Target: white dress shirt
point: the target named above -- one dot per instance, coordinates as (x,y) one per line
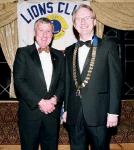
(82,55)
(47,67)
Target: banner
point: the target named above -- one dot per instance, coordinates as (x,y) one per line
(60,12)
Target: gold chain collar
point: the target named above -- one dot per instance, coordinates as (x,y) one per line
(89,71)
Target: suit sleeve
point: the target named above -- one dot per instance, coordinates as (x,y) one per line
(23,91)
(115,77)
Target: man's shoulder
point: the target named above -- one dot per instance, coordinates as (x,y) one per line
(57,52)
(70,46)
(108,40)
(70,49)
(104,39)
(26,49)
(108,44)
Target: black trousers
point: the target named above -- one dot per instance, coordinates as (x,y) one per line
(34,132)
(81,135)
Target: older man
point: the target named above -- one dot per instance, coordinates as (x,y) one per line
(38,79)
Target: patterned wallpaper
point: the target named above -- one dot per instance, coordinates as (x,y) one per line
(9,129)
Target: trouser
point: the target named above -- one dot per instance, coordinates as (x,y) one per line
(81,135)
(35,132)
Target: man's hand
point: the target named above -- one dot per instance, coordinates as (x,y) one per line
(112,120)
(53,100)
(47,106)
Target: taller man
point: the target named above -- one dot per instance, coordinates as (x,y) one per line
(93,75)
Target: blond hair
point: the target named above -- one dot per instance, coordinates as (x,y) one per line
(83,6)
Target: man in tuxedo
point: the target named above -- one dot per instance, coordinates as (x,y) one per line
(38,80)
(93,84)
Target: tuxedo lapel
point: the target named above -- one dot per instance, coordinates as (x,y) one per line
(55,69)
(37,62)
(78,69)
(88,59)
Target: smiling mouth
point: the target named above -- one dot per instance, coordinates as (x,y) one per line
(44,40)
(83,28)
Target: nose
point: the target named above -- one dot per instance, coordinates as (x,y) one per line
(44,34)
(83,20)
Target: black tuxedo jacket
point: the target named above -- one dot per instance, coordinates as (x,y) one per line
(29,81)
(102,93)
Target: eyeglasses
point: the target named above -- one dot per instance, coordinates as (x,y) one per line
(87,18)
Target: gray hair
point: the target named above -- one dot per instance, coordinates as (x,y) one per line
(43,20)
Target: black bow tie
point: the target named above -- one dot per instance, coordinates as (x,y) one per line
(87,43)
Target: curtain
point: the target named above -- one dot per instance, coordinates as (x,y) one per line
(9,36)
(117,15)
(99,29)
(9,43)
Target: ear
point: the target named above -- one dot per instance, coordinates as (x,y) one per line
(74,25)
(94,22)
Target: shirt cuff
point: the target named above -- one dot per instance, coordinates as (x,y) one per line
(112,114)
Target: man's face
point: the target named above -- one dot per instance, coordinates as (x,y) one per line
(84,22)
(43,34)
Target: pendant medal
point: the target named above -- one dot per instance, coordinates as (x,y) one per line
(78,93)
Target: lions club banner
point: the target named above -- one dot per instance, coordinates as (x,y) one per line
(60,12)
